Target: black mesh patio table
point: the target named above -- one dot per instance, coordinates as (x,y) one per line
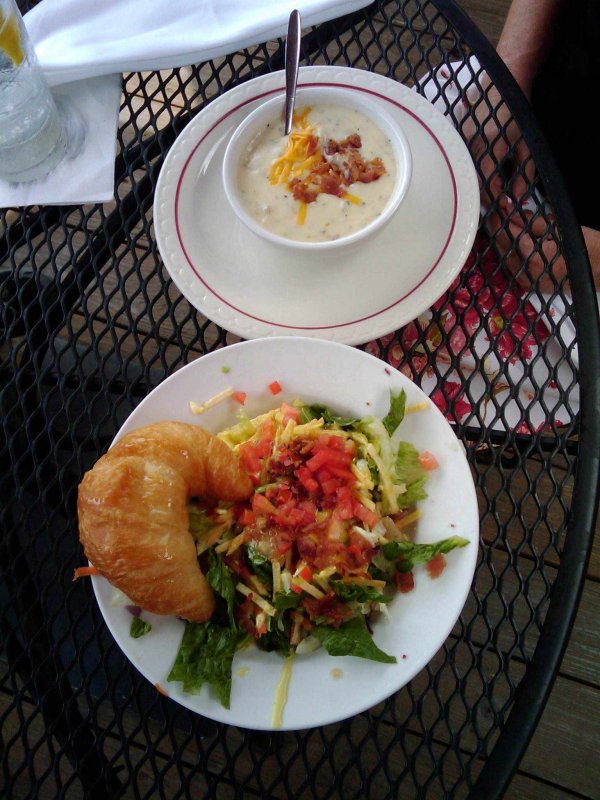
(91,323)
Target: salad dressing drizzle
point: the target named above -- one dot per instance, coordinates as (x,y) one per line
(281,692)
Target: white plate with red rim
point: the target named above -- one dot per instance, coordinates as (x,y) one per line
(322,689)
(254,288)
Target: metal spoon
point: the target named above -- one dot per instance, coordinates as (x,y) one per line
(292,59)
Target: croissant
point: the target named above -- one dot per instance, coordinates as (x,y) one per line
(133,518)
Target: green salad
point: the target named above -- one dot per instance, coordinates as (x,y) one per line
(321,547)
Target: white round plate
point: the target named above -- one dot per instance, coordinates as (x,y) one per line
(355,384)
(254,288)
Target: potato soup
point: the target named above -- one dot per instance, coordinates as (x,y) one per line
(331,177)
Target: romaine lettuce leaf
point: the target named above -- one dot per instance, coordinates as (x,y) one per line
(222,581)
(396,413)
(308,413)
(139,627)
(285,600)
(411,473)
(357,592)
(408,555)
(352,638)
(200,522)
(205,655)
(276,639)
(260,565)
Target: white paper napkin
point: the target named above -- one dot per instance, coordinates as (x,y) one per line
(85,45)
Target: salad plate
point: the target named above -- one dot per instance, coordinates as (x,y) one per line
(255,288)
(322,688)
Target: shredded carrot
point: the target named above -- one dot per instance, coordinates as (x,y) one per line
(82,572)
(160,689)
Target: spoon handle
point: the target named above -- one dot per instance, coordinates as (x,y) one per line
(292,59)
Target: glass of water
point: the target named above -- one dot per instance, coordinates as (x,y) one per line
(32,133)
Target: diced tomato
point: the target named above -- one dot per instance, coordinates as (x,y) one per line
(306,573)
(305,477)
(240,397)
(275,387)
(354,550)
(323,475)
(344,495)
(282,494)
(309,511)
(436,566)
(344,502)
(296,589)
(404,581)
(260,505)
(342,473)
(292,517)
(249,458)
(263,447)
(267,429)
(365,514)
(318,460)
(428,461)
(289,412)
(247,517)
(330,486)
(329,457)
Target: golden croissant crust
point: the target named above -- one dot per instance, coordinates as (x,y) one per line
(133,518)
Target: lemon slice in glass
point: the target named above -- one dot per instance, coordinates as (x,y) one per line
(10,39)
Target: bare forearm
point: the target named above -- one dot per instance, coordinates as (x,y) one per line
(592,242)
(526,38)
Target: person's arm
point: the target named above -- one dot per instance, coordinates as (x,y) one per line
(526,38)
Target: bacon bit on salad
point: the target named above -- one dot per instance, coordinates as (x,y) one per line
(240,397)
(310,167)
(436,566)
(83,572)
(405,581)
(275,387)
(160,689)
(330,607)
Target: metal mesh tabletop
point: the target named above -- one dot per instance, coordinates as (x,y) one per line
(91,322)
